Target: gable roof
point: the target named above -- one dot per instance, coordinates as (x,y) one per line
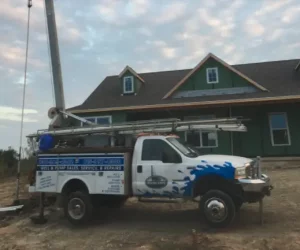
(298,66)
(279,77)
(198,66)
(127,68)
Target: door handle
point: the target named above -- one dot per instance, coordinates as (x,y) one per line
(139,168)
(190,167)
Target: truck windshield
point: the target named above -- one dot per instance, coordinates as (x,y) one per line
(186,150)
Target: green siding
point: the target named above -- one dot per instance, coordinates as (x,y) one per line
(257,141)
(136,83)
(227,78)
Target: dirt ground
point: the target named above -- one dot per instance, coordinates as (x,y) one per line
(166,226)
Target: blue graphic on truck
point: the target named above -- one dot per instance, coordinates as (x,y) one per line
(203,169)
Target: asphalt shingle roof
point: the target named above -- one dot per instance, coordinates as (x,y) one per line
(279,77)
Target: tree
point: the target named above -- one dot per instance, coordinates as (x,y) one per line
(9,157)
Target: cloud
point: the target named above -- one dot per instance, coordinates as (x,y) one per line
(219,23)
(207,18)
(168,52)
(20,80)
(294,46)
(10,11)
(254,28)
(15,55)
(170,12)
(209,3)
(191,60)
(67,29)
(144,31)
(269,6)
(228,49)
(276,34)
(156,43)
(291,14)
(234,58)
(108,13)
(137,8)
(119,13)
(14,114)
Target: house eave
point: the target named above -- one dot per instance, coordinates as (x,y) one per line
(193,104)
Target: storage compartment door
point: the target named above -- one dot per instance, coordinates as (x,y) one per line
(46,174)
(110,178)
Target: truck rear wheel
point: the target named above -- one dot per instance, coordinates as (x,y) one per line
(78,207)
(217,208)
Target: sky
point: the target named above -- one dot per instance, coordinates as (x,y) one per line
(99,38)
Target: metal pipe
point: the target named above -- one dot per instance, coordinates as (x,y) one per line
(29,5)
(231,134)
(258,167)
(165,127)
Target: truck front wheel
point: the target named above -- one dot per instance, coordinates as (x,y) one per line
(78,207)
(217,208)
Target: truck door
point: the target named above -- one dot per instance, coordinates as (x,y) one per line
(157,170)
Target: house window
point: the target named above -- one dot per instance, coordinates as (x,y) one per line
(280,135)
(212,75)
(128,84)
(202,138)
(100,120)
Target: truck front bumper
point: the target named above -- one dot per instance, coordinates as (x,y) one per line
(260,187)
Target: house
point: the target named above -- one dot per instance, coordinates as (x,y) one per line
(268,93)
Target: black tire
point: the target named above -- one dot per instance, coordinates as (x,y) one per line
(217,217)
(82,199)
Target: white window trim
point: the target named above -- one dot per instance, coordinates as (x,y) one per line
(203,117)
(200,135)
(217,73)
(132,85)
(287,128)
(95,117)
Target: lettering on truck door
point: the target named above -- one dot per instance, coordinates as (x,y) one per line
(157,168)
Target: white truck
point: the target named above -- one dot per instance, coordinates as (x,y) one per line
(157,166)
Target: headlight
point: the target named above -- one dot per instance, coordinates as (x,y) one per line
(240,172)
(247,165)
(249,169)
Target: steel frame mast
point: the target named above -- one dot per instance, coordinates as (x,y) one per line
(55,58)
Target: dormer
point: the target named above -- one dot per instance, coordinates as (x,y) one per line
(213,76)
(130,81)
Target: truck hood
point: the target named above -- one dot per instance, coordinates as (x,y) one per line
(236,161)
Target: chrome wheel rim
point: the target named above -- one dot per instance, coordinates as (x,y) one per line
(76,208)
(215,210)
